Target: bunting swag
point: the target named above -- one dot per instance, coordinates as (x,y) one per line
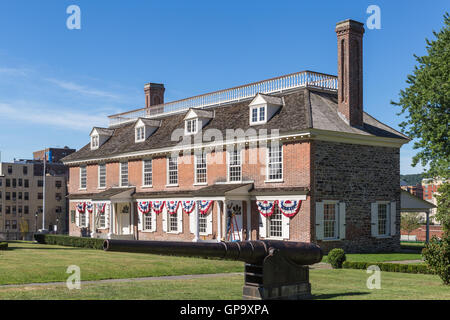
(289,207)
(172,206)
(158,206)
(188,206)
(90,207)
(144,206)
(101,208)
(81,207)
(266,207)
(204,206)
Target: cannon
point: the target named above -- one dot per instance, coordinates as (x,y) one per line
(273,269)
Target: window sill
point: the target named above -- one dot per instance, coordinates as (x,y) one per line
(147,231)
(171,185)
(147,187)
(82,189)
(274,181)
(201,184)
(101,188)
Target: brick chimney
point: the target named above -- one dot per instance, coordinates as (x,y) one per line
(154,94)
(350,71)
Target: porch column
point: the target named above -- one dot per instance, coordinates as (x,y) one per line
(197,211)
(113,218)
(249,220)
(224,220)
(219,231)
(428,226)
(132,220)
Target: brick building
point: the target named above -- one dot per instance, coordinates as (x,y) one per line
(291,158)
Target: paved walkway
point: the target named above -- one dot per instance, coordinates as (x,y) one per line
(405,261)
(181,277)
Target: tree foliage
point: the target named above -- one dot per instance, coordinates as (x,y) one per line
(425,104)
(443,207)
(410,221)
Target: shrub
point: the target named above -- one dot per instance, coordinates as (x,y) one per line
(437,256)
(69,241)
(336,258)
(3,245)
(389,267)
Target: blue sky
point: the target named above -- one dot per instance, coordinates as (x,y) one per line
(56,83)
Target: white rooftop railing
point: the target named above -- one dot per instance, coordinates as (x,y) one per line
(279,84)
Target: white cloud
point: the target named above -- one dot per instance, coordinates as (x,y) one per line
(71,86)
(56,117)
(20,72)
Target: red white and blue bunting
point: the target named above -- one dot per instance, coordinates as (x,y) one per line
(81,207)
(172,206)
(205,205)
(101,208)
(266,207)
(144,206)
(188,206)
(89,207)
(289,207)
(158,206)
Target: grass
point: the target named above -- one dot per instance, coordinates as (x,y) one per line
(379,257)
(326,284)
(26,262)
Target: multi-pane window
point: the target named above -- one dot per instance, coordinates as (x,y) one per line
(102,175)
(191,126)
(383,219)
(20,182)
(95,142)
(14,224)
(8,196)
(124,174)
(7,209)
(58,184)
(83,178)
(19,195)
(25,170)
(258,114)
(26,196)
(202,221)
(140,133)
(173,222)
(40,196)
(10,170)
(7,224)
(200,168)
(275,162)
(83,222)
(26,183)
(14,196)
(40,183)
(173,170)
(147,221)
(329,221)
(8,182)
(147,173)
(276,224)
(26,210)
(235,165)
(102,219)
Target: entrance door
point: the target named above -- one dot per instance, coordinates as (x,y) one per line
(123,218)
(233,221)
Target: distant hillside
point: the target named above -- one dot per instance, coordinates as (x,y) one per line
(411,179)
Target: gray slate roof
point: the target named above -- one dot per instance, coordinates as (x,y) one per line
(303,109)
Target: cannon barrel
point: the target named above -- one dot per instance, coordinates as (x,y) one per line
(252,252)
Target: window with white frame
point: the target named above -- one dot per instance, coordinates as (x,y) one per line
(275,224)
(235,165)
(102,219)
(258,115)
(83,177)
(200,168)
(147,173)
(330,224)
(275,162)
(102,176)
(173,222)
(191,126)
(124,174)
(147,221)
(383,219)
(173,170)
(140,134)
(202,223)
(83,220)
(95,141)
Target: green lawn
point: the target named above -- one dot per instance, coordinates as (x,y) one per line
(379,257)
(30,263)
(326,284)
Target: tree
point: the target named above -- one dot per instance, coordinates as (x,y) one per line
(410,221)
(443,207)
(426,104)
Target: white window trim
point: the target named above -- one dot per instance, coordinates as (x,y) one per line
(143,223)
(136,134)
(196,183)
(120,175)
(258,107)
(268,180)
(143,173)
(336,225)
(168,184)
(186,132)
(228,165)
(95,142)
(80,188)
(388,220)
(98,180)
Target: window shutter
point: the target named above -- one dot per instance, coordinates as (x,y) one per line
(192,221)
(153,215)
(342,220)
(140,221)
(209,222)
(164,219)
(285,221)
(319,220)
(77,218)
(180,219)
(262,226)
(374,219)
(393,216)
(107,215)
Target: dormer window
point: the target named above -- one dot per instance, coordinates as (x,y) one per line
(99,136)
(94,142)
(263,108)
(191,126)
(140,134)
